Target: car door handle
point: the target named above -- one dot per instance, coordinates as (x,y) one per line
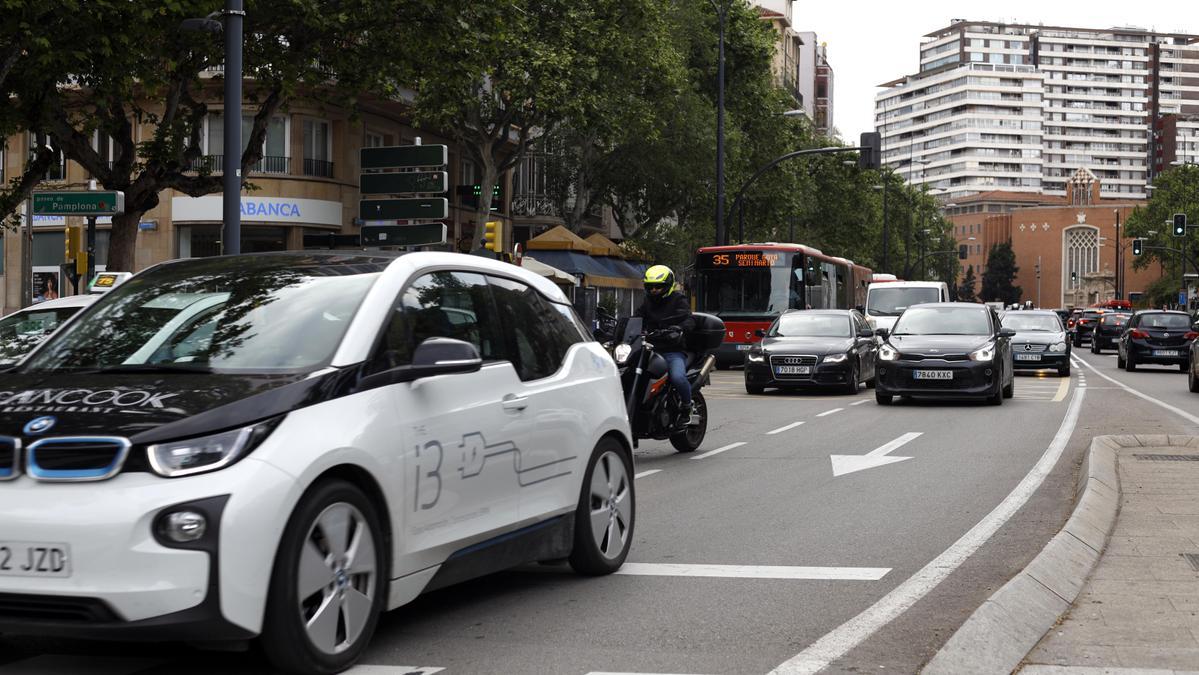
(513,402)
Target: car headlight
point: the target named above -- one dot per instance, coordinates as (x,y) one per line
(834,358)
(621,353)
(887,353)
(206,453)
(1058,347)
(756,357)
(984,353)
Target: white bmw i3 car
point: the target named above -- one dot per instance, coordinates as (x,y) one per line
(281,446)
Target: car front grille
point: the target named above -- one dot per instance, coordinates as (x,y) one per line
(77,458)
(10,449)
(792,360)
(1028,348)
(934,357)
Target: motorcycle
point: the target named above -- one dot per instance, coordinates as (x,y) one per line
(654,406)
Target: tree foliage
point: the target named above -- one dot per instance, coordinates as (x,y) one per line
(966,287)
(998,282)
(1176,191)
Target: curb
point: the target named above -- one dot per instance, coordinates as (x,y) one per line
(1001,632)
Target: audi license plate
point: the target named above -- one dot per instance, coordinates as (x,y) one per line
(1028,357)
(1166,352)
(793,370)
(932,374)
(34,559)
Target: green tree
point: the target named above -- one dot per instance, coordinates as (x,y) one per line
(1176,191)
(998,282)
(966,288)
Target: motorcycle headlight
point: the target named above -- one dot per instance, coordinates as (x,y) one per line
(621,353)
(887,353)
(206,453)
(984,353)
(834,358)
(1058,347)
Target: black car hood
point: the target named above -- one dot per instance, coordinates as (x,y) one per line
(805,345)
(151,408)
(936,345)
(1038,338)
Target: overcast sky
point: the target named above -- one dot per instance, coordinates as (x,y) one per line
(873,41)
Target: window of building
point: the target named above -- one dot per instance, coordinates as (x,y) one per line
(372,140)
(1080,256)
(108,149)
(58,165)
(318,149)
(275,148)
(201,241)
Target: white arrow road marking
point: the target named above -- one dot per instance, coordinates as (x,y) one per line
(754,571)
(861,402)
(843,464)
(782,429)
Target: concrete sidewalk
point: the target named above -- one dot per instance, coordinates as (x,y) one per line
(1139,609)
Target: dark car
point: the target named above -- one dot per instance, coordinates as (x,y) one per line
(1107,331)
(1193,369)
(1039,342)
(1156,336)
(1072,322)
(946,350)
(1084,325)
(832,347)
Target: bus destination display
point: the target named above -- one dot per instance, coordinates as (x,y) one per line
(740,259)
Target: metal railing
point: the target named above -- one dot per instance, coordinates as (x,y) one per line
(318,167)
(216,164)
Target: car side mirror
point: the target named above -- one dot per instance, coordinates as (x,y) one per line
(760,332)
(1007,333)
(865,333)
(860,309)
(434,356)
(883,333)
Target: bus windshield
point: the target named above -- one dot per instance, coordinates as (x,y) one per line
(892,301)
(747,292)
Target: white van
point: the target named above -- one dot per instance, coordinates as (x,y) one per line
(885,301)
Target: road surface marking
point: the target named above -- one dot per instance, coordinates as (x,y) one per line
(651,472)
(1063,388)
(782,429)
(865,400)
(852,633)
(609,672)
(754,571)
(843,464)
(717,451)
(830,412)
(1177,411)
(393,670)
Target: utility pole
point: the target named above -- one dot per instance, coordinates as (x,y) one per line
(722,13)
(231,199)
(1119,262)
(1039,282)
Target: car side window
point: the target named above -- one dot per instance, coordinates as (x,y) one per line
(448,304)
(537,335)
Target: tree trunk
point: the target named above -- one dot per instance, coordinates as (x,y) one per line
(122,243)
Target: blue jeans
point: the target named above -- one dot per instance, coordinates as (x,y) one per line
(676,362)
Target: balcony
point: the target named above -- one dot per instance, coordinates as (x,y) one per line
(318,167)
(216,164)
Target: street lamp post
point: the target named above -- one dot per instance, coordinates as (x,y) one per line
(886,231)
(722,13)
(1119,264)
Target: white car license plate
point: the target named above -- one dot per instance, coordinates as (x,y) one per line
(1165,352)
(34,559)
(1028,357)
(933,375)
(793,370)
(742,348)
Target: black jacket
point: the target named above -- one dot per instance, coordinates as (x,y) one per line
(671,310)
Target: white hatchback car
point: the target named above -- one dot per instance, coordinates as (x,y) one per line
(283,445)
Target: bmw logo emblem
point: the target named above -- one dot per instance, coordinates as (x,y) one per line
(39,425)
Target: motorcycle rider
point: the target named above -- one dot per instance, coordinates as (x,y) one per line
(665,309)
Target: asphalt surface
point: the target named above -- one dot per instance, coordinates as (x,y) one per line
(772,503)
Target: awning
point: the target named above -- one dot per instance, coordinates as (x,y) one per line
(601,272)
(552,273)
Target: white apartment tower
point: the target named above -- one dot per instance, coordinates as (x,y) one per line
(1021,108)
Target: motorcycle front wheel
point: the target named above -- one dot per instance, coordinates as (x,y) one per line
(692,437)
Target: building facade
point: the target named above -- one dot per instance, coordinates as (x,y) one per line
(1020,108)
(786,63)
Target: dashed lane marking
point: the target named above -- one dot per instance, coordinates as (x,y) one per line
(717,451)
(651,472)
(784,428)
(754,571)
(830,412)
(865,400)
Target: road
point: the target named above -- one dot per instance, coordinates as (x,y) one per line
(751,553)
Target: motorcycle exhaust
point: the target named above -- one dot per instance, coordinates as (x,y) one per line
(709,363)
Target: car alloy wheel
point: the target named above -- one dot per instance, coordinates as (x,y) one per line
(606,512)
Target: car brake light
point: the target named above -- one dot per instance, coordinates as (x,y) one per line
(1191,335)
(1070,323)
(1139,335)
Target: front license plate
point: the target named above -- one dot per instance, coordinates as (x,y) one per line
(1028,357)
(1166,352)
(793,370)
(933,374)
(742,348)
(34,559)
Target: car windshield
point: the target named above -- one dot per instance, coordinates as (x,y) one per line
(274,314)
(22,331)
(1172,321)
(934,320)
(1037,323)
(892,301)
(1114,318)
(812,325)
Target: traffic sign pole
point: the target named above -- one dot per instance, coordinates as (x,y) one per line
(91,250)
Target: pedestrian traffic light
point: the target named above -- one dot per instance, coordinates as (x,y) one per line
(870,153)
(493,235)
(1180,224)
(1137,246)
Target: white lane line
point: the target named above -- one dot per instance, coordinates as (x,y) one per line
(610,672)
(852,633)
(717,451)
(754,571)
(393,670)
(785,428)
(47,664)
(865,400)
(830,412)
(1177,411)
(643,474)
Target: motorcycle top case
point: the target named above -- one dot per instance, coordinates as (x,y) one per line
(708,333)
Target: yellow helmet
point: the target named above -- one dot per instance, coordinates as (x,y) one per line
(659,281)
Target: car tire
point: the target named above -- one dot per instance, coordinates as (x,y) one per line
(1064,371)
(607,498)
(754,389)
(1184,367)
(1192,381)
(1130,363)
(870,384)
(882,399)
(693,437)
(1119,358)
(1010,390)
(1095,346)
(851,387)
(996,398)
(308,552)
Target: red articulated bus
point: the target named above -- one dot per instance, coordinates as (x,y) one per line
(749,285)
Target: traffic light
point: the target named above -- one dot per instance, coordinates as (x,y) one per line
(870,156)
(493,235)
(1137,246)
(74,248)
(1074,278)
(1180,224)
